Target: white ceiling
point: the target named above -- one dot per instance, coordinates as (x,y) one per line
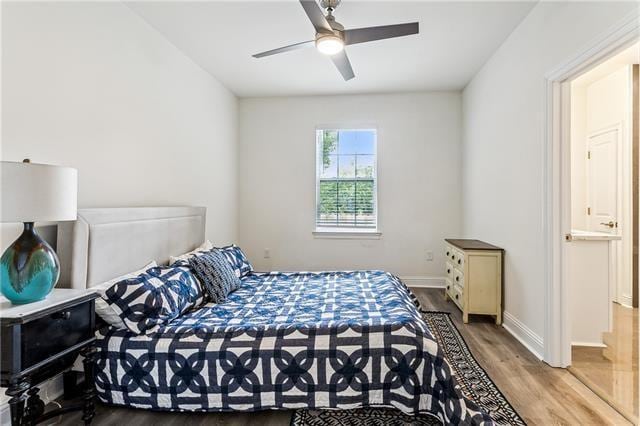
(455,40)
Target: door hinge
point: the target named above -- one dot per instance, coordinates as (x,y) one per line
(589,211)
(588,155)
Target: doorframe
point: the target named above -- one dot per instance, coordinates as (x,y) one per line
(557,179)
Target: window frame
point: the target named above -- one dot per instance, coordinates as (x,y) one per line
(345,232)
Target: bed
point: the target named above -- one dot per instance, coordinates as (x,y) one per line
(340,340)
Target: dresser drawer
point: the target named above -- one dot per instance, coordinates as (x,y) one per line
(449,287)
(458,278)
(47,336)
(457,297)
(449,270)
(449,252)
(459,259)
(455,257)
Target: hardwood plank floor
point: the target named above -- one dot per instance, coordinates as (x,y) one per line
(541,394)
(612,372)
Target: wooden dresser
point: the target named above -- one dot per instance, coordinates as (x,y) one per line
(474,277)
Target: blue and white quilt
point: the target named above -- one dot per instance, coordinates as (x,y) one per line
(289,340)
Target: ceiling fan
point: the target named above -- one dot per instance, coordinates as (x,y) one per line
(331,37)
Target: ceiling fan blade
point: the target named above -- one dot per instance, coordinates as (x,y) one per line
(316,16)
(285,49)
(341,62)
(363,35)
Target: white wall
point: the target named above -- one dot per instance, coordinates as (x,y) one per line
(418,181)
(93,86)
(609,101)
(503,109)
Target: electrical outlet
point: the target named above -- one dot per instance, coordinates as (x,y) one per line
(429,256)
(267,254)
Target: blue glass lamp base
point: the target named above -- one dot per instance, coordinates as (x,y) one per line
(29,268)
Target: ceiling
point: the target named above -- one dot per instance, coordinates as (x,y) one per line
(455,40)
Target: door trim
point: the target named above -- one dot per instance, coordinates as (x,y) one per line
(557,179)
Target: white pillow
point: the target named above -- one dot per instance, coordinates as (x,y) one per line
(206,246)
(103,308)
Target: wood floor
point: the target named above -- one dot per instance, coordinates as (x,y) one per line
(612,372)
(541,394)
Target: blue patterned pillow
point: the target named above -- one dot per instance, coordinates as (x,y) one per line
(236,257)
(155,297)
(216,274)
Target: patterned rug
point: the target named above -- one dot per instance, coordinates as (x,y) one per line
(474,381)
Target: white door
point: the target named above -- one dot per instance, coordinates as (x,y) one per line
(602,191)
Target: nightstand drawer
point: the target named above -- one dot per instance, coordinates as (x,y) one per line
(47,336)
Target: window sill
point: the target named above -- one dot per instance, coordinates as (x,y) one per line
(347,234)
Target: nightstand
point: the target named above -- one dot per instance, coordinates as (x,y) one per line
(41,340)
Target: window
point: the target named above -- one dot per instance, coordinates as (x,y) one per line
(346,180)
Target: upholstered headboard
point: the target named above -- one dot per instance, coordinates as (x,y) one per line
(105,243)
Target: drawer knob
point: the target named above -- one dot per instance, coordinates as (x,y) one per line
(459,261)
(448,287)
(63,315)
(447,253)
(457,295)
(453,256)
(448,271)
(457,278)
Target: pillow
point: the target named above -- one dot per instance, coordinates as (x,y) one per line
(236,257)
(103,308)
(216,274)
(206,246)
(155,297)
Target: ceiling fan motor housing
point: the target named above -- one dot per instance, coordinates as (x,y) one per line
(338,28)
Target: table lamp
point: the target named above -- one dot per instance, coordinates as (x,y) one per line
(29,268)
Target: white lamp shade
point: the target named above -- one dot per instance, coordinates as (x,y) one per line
(38,192)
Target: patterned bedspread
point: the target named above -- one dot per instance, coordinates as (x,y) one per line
(289,340)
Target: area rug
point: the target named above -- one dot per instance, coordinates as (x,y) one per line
(474,381)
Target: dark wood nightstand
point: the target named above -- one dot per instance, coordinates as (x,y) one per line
(41,340)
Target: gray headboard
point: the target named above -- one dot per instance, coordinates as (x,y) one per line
(105,243)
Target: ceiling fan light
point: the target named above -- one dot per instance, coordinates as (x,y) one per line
(329,44)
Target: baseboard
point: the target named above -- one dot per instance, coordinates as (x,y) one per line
(625,301)
(423,282)
(49,390)
(523,334)
(589,344)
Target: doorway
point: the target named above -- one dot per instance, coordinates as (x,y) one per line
(599,250)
